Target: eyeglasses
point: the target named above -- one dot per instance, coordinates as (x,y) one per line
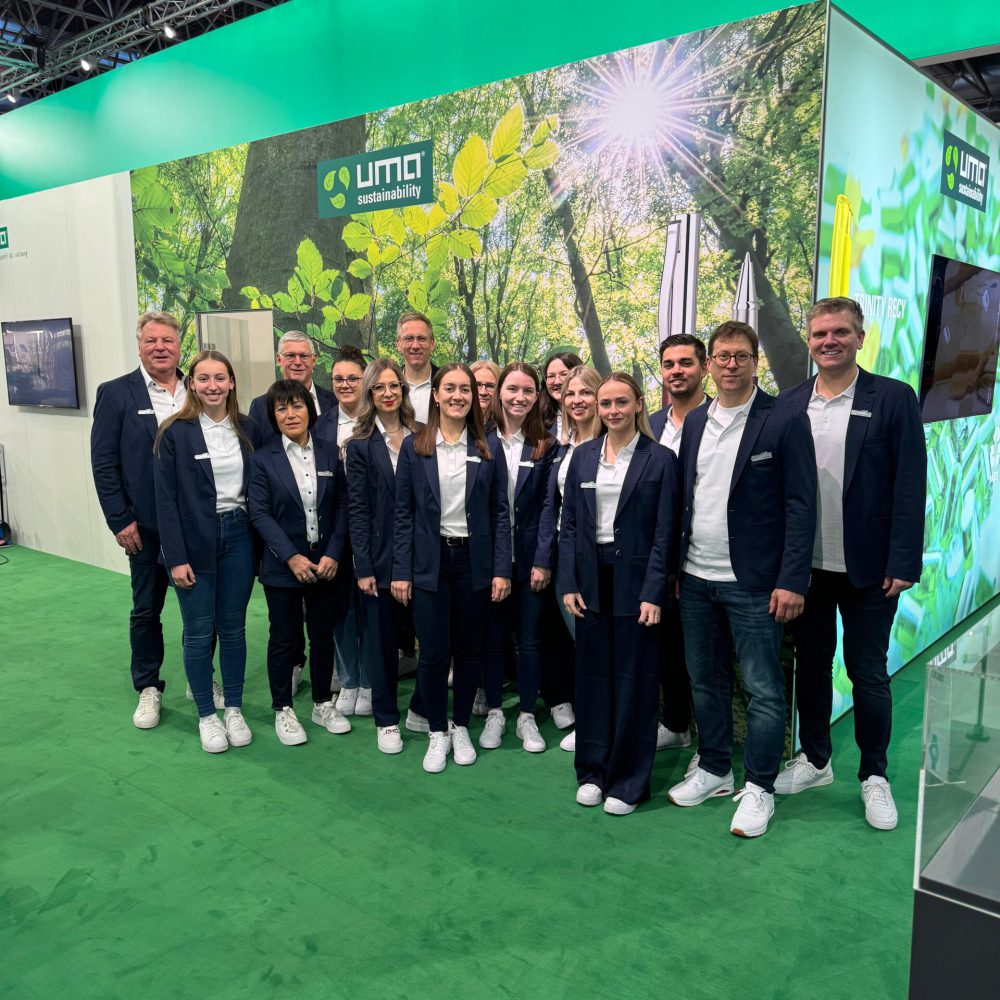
(289,356)
(383,389)
(410,341)
(742,359)
(346,379)
(556,377)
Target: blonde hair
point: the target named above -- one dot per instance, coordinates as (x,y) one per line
(641,419)
(167,319)
(592,380)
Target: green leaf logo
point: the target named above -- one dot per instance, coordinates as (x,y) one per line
(335,178)
(951,160)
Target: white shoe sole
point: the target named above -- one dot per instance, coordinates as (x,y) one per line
(145,723)
(415,726)
(292,739)
(618,808)
(435,766)
(749,834)
(827,779)
(219,749)
(466,761)
(726,789)
(390,750)
(535,748)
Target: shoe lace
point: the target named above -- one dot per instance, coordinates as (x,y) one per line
(529,728)
(754,797)
(147,697)
(439,742)
(878,795)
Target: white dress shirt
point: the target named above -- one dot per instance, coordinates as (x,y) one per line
(451,462)
(829,419)
(164,403)
(315,396)
(610,479)
(708,548)
(227,462)
(670,436)
(512,456)
(420,397)
(345,427)
(393,453)
(302,459)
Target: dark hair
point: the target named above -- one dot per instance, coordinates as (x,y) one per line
(685,340)
(286,391)
(351,353)
(839,303)
(533,428)
(734,328)
(425,440)
(549,407)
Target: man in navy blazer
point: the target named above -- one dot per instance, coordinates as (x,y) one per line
(127,412)
(747,525)
(872,464)
(297,360)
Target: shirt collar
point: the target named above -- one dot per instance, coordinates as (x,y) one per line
(516,438)
(848,393)
(290,444)
(463,440)
(343,418)
(381,428)
(207,423)
(418,385)
(151,382)
(736,411)
(627,452)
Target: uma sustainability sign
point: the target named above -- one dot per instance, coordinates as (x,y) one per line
(965,172)
(388,178)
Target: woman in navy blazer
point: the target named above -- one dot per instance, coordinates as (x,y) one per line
(385,420)
(452,535)
(618,521)
(298,506)
(202,461)
(522,443)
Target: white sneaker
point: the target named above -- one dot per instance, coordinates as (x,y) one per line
(527,732)
(756,807)
(437,752)
(147,712)
(692,765)
(363,706)
(326,715)
(568,742)
(880,810)
(213,734)
(492,735)
(667,739)
(699,786)
(218,698)
(479,706)
(589,795)
(416,723)
(347,701)
(237,731)
(563,715)
(389,739)
(289,729)
(335,683)
(296,679)
(616,807)
(798,775)
(462,749)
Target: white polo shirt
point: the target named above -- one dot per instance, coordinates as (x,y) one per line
(451,463)
(610,479)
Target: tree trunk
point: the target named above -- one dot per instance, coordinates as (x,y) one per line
(278,209)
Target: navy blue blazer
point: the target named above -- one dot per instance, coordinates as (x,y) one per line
(121,451)
(277,514)
(185,494)
(371,491)
(417,555)
(548,522)
(645,527)
(529,498)
(772,495)
(258,412)
(885,479)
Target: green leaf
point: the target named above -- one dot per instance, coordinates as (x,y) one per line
(505,178)
(438,318)
(416,218)
(437,252)
(295,289)
(395,229)
(374,256)
(332,317)
(266,302)
(326,279)
(479,211)
(448,197)
(471,165)
(338,200)
(360,269)
(540,157)
(549,125)
(507,134)
(250,292)
(467,239)
(357,237)
(310,262)
(312,330)
(441,292)
(284,302)
(345,177)
(328,181)
(416,295)
(436,217)
(342,297)
(358,306)
(460,247)
(390,254)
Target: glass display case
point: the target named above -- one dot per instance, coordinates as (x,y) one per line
(956,916)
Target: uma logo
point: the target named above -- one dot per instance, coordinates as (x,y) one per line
(965,172)
(4,238)
(386,178)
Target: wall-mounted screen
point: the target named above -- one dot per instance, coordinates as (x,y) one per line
(40,362)
(960,343)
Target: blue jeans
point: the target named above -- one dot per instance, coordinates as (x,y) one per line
(707,607)
(217,604)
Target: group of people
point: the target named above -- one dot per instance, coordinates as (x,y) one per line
(537,526)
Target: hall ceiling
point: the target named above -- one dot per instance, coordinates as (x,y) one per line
(42,42)
(972,76)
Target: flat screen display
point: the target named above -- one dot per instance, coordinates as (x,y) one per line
(40,362)
(960,343)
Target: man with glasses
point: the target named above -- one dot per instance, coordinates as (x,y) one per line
(868,548)
(415,342)
(749,484)
(296,358)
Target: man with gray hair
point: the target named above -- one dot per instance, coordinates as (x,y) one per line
(127,412)
(296,358)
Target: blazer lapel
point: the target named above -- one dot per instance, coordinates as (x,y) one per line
(523,471)
(857,426)
(140,398)
(589,475)
(326,461)
(471,471)
(756,419)
(199,446)
(284,469)
(380,452)
(430,465)
(639,458)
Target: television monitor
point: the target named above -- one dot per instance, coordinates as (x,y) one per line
(41,363)
(960,341)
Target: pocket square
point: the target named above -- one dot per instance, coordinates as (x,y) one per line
(204,454)
(761,456)
(588,486)
(861,413)
(323,472)
(145,413)
(473,458)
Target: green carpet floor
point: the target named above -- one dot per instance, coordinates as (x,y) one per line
(134,865)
